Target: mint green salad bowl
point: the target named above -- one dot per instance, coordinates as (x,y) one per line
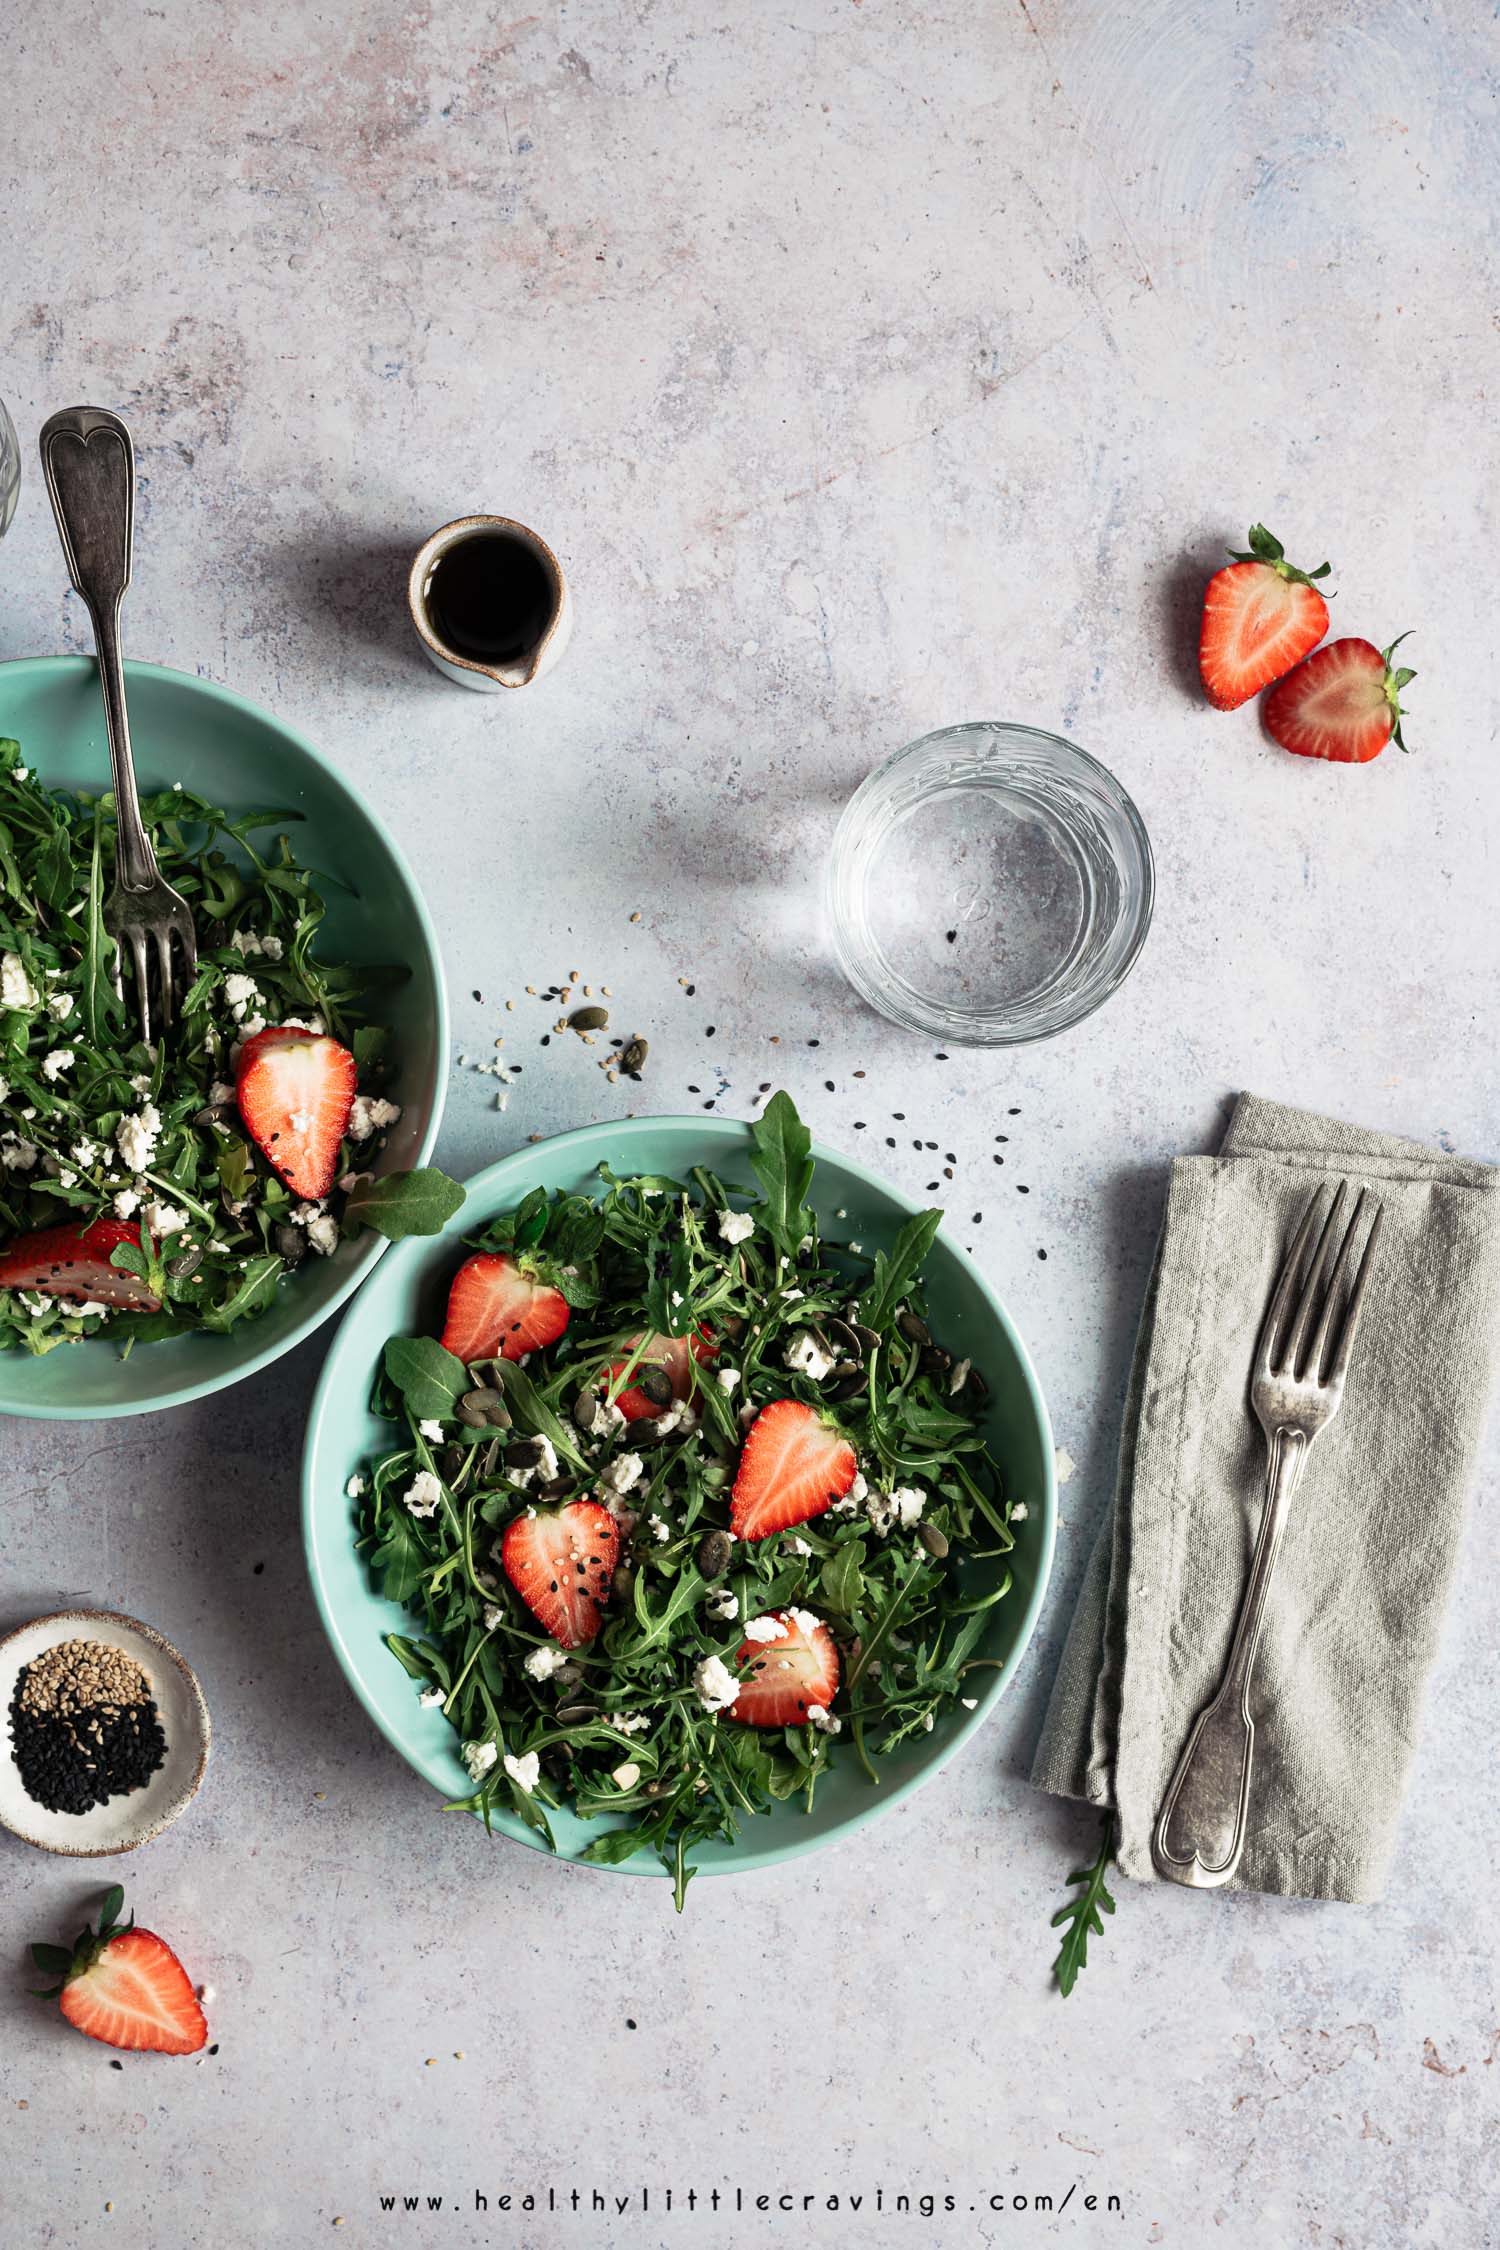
(188,730)
(407,1296)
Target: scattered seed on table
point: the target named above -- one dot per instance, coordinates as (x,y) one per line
(999,1159)
(1022,1190)
(947,1171)
(259,1567)
(695,1089)
(477,993)
(859,1124)
(765,1085)
(635,917)
(1041,1254)
(899,1115)
(890,1140)
(931,1188)
(815,1042)
(951,936)
(940,1056)
(978,1219)
(690,990)
(1012,1113)
(546,1038)
(829,1087)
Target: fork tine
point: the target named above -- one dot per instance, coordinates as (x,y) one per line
(137,939)
(1340,1367)
(164,969)
(1276,1311)
(1291,1358)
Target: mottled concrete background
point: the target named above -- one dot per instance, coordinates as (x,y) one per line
(871,366)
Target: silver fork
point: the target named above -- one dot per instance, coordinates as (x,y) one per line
(1296,1390)
(88,462)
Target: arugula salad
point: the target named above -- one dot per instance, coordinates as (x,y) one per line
(148,1192)
(687,1501)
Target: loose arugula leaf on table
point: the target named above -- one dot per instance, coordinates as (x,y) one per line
(1081,1914)
(618,1727)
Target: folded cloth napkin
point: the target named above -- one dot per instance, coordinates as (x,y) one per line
(1370,1549)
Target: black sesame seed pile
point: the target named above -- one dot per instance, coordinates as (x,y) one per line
(84,1726)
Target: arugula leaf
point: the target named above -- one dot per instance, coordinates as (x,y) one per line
(842,1577)
(257,1288)
(429,1378)
(1082,1912)
(781,1160)
(401,1203)
(897,1270)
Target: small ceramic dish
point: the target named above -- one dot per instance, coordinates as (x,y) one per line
(125,1821)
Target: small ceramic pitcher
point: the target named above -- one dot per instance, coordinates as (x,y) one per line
(536,642)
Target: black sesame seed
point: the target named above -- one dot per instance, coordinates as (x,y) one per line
(978,1219)
(1022,1190)
(952,936)
(1042,1255)
(259,1567)
(815,1042)
(477,993)
(708,1034)
(828,1086)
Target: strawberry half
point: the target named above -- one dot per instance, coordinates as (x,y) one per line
(794,1465)
(124,1986)
(674,1355)
(560,1561)
(1260,617)
(789,1675)
(496,1310)
(73,1261)
(295,1090)
(1344,703)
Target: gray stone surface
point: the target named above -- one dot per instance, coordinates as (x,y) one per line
(871,367)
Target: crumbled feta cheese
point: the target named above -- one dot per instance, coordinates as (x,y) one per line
(369,1114)
(804,1355)
(89,1309)
(53,1065)
(430,1427)
(969,1702)
(220,1093)
(65,1178)
(627,1775)
(736,1226)
(127,1202)
(135,1137)
(544,1467)
(16,987)
(1019,1511)
(728,1378)
(492,1615)
(903,1506)
(661,1532)
(241,992)
(164,1218)
(59,1006)
(723,1602)
(479,1757)
(84,1152)
(356,1487)
(825,1721)
(927,1722)
(765,1629)
(716,1684)
(524,1772)
(35,1304)
(423,1494)
(543,1662)
(4,1089)
(622,1474)
(323,1233)
(805,1622)
(797,1545)
(431,1697)
(629,1722)
(959,1377)
(793,1296)
(16,1154)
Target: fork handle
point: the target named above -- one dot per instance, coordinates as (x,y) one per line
(88,463)
(1200,1831)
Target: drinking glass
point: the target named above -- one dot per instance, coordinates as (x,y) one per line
(989,884)
(10,469)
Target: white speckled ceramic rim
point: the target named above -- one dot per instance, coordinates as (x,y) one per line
(123,1823)
(463,668)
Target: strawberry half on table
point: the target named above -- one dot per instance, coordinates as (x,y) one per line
(560,1561)
(1343,704)
(788,1676)
(1261,615)
(794,1465)
(499,1309)
(666,1363)
(123,1986)
(295,1090)
(73,1261)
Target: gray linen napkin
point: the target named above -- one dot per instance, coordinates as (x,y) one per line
(1370,1550)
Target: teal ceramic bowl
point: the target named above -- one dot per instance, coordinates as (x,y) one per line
(185,729)
(407,1296)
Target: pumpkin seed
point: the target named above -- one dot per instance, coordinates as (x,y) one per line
(555,1488)
(913,1327)
(845,1386)
(188,1261)
(526,1453)
(654,1383)
(577,1714)
(452,1460)
(485,1410)
(869,1337)
(846,1336)
(491,1458)
(633,1057)
(932,1539)
(587,1408)
(214,1113)
(291,1244)
(588,1019)
(492,1372)
(935,1361)
(715,1550)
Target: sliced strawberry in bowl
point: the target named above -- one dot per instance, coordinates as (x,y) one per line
(793,1671)
(793,1466)
(1261,615)
(1343,704)
(498,1310)
(672,1358)
(295,1090)
(125,1987)
(560,1561)
(73,1261)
